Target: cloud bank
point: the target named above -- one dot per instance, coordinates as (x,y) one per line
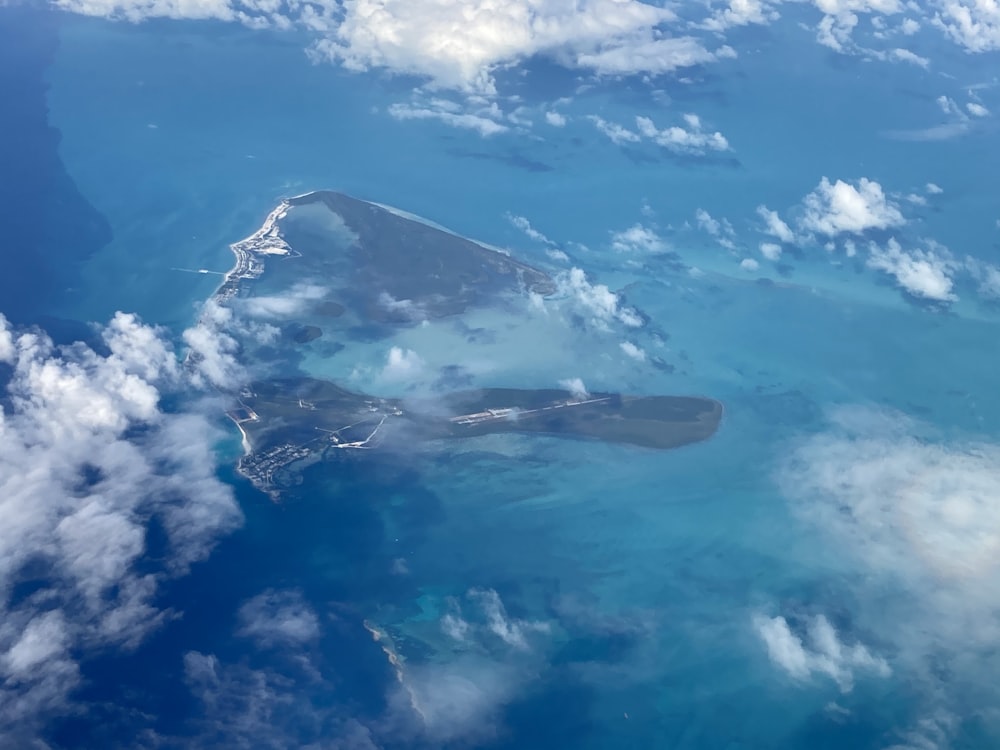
(88,459)
(912,513)
(459,45)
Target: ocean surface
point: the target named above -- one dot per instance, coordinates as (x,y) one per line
(611,597)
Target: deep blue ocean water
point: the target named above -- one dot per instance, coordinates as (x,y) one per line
(636,575)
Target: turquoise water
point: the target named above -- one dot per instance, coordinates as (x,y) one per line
(631,580)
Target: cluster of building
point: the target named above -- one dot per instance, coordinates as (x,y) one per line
(259,468)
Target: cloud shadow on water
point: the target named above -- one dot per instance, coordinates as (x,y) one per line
(513,159)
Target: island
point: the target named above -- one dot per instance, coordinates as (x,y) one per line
(290,423)
(372,270)
(388,263)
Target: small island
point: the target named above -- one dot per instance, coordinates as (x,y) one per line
(290,423)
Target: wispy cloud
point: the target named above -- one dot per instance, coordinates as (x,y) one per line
(817,651)
(690,138)
(911,510)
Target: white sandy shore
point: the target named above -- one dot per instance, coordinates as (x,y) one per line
(434,225)
(247,450)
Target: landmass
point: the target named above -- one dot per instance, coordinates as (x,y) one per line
(290,423)
(380,265)
(397,263)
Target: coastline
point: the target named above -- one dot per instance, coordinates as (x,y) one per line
(267,240)
(434,225)
(245,439)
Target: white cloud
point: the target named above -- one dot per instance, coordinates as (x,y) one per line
(692,140)
(949,106)
(638,238)
(8,351)
(213,350)
(483,120)
(740,13)
(840,7)
(406,309)
(316,16)
(633,351)
(244,707)
(912,508)
(929,733)
(278,618)
(575,386)
(775,226)
(459,44)
(907,508)
(292,302)
(771,251)
(986,276)
(835,31)
(402,364)
(87,460)
(905,55)
(460,699)
(456,45)
(821,652)
(842,207)
(933,189)
(615,132)
(974,24)
(555,119)
(922,273)
(841,18)
(522,223)
(977,110)
(707,223)
(137,11)
(453,695)
(720,229)
(511,631)
(599,302)
(649,53)
(749,264)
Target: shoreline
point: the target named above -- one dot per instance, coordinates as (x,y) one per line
(403,214)
(245,442)
(267,240)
